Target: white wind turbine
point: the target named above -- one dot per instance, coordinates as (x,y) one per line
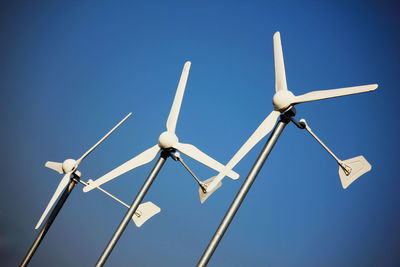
(169,145)
(69,168)
(167,141)
(282,101)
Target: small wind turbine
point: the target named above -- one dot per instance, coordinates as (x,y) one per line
(70,168)
(168,144)
(283,102)
(167,141)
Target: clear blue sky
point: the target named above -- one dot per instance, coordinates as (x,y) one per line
(70,71)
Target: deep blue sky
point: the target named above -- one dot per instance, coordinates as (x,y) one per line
(70,71)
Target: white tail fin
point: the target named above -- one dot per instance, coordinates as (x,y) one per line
(358,166)
(144,212)
(204,196)
(57,166)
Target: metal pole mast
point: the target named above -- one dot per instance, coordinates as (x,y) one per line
(135,204)
(74,180)
(285,118)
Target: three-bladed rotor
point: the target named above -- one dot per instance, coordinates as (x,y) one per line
(168,140)
(282,101)
(68,168)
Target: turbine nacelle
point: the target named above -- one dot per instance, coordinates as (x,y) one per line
(167,140)
(282,100)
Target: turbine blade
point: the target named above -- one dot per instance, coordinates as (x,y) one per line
(141,159)
(265,127)
(61,186)
(102,139)
(176,105)
(201,157)
(144,212)
(318,95)
(280,75)
(57,166)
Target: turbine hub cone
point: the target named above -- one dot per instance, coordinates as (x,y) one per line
(282,100)
(68,165)
(167,140)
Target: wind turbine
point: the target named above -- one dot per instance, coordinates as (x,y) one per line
(168,145)
(283,102)
(168,140)
(70,168)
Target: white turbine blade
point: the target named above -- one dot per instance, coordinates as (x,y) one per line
(203,196)
(57,166)
(280,75)
(359,166)
(144,212)
(61,186)
(201,157)
(176,105)
(141,159)
(318,95)
(102,139)
(265,127)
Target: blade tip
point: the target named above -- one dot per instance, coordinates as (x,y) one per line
(234,175)
(86,189)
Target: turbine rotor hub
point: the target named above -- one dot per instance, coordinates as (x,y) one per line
(68,165)
(167,140)
(282,100)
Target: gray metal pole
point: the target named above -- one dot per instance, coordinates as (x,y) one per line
(135,204)
(242,193)
(49,221)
